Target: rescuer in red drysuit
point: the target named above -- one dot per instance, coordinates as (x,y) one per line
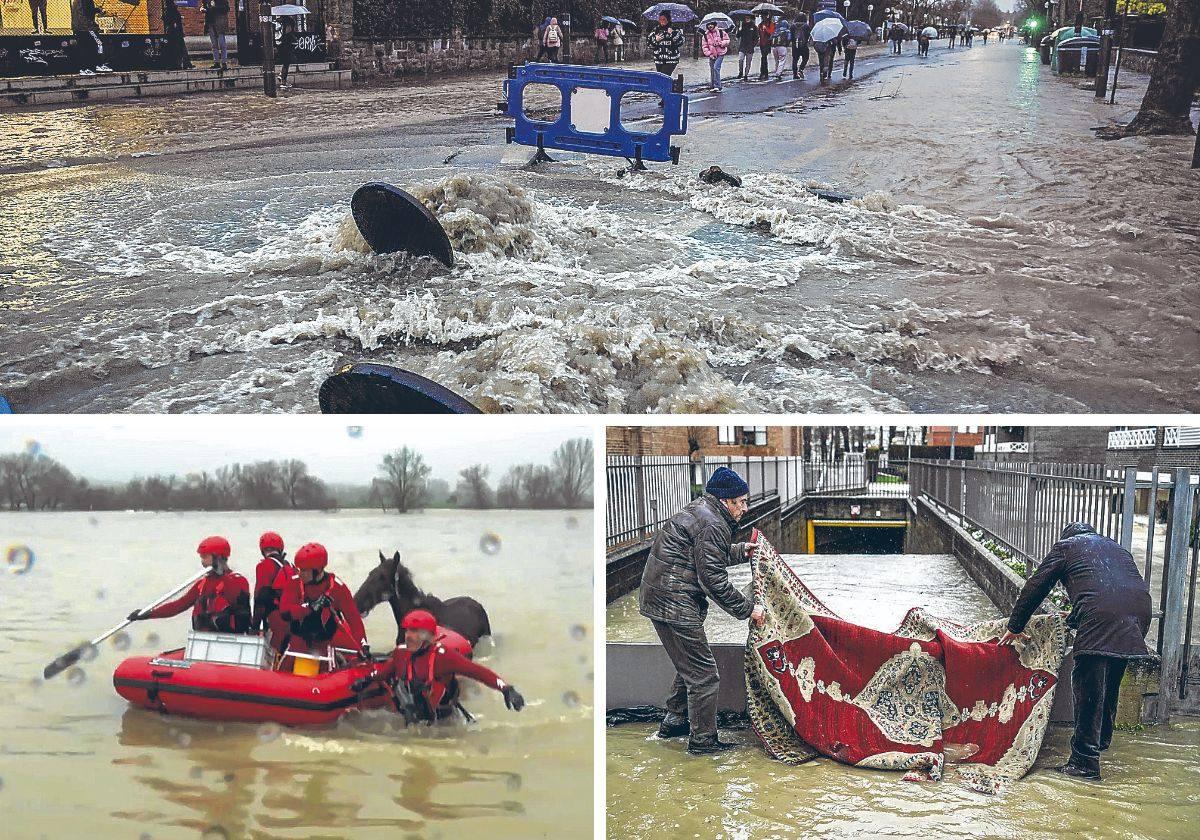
(220,600)
(428,670)
(313,608)
(273,576)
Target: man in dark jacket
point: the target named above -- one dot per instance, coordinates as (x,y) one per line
(1110,613)
(685,568)
(800,38)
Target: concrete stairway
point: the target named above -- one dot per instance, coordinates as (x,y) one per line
(32,91)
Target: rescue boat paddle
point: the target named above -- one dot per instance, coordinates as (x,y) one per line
(72,656)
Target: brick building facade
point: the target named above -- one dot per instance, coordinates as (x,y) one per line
(707,441)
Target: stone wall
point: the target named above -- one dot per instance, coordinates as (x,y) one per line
(1139,61)
(404,58)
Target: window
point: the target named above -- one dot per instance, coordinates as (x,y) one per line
(725,435)
(754,435)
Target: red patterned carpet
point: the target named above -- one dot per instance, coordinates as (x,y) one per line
(931,694)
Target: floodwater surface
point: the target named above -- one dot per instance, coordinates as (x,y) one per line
(655,789)
(76,760)
(198,254)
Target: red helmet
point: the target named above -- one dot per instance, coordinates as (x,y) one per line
(419,620)
(311,556)
(270,540)
(214,545)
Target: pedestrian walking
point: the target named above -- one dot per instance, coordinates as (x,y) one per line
(539,33)
(176,51)
(801,34)
(781,42)
(36,7)
(601,34)
(687,566)
(766,35)
(616,37)
(1110,613)
(747,41)
(665,42)
(716,44)
(216,24)
(287,48)
(985,34)
(923,45)
(953,33)
(88,46)
(897,39)
(849,48)
(552,39)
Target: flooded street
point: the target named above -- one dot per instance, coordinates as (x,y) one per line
(198,254)
(1151,787)
(75,760)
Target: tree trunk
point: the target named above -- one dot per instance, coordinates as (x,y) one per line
(1175,77)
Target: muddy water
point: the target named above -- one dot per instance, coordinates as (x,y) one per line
(1152,786)
(982,267)
(874,590)
(75,760)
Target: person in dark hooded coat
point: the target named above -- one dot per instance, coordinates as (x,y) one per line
(686,567)
(1110,613)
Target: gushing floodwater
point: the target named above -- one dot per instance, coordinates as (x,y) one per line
(76,761)
(1152,777)
(983,265)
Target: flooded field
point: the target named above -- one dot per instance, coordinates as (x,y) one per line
(1152,777)
(198,255)
(76,761)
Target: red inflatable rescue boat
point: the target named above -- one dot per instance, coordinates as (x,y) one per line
(227,677)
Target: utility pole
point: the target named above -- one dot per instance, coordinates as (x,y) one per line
(267,27)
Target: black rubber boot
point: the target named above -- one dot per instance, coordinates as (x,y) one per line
(674,730)
(708,747)
(1069,769)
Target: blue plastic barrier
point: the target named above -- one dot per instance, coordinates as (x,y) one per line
(590,120)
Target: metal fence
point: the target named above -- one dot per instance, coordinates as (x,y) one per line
(1025,506)
(644,491)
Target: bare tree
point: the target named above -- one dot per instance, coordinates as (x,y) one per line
(293,480)
(404,478)
(473,490)
(573,467)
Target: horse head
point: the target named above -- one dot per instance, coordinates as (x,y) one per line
(389,581)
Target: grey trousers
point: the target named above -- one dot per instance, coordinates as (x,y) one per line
(694,693)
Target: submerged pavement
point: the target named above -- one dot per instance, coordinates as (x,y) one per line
(198,255)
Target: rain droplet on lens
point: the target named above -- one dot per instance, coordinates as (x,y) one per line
(514,782)
(196,772)
(87,652)
(591,676)
(93,521)
(214,832)
(489,543)
(101,594)
(572,521)
(578,632)
(76,676)
(571,699)
(145,835)
(20,559)
(153,639)
(354,431)
(32,447)
(269,732)
(121,641)
(184,739)
(229,777)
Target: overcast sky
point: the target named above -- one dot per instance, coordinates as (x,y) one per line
(114,448)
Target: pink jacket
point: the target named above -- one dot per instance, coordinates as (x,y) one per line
(716,43)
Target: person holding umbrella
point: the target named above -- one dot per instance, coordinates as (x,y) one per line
(716,44)
(601,35)
(826,35)
(766,35)
(780,42)
(287,47)
(616,37)
(801,35)
(665,42)
(747,41)
(897,33)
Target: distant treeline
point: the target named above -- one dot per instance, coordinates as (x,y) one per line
(35,481)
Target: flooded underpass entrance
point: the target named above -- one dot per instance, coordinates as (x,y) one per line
(841,536)
(656,789)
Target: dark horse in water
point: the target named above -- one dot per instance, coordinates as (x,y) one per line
(391,581)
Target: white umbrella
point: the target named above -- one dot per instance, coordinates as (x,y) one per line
(288,10)
(827,30)
(929,31)
(769,8)
(722,21)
